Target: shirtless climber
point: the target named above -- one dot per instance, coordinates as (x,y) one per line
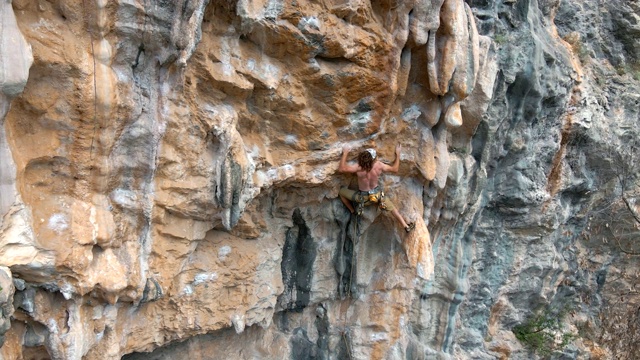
(368,169)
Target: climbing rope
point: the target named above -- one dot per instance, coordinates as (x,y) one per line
(360,204)
(95,85)
(361,200)
(353,254)
(343,315)
(346,344)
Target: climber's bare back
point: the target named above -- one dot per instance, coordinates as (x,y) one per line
(369,180)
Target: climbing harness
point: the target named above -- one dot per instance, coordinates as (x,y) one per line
(364,198)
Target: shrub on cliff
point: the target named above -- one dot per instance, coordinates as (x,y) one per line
(543,333)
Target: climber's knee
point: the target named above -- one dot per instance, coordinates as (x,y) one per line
(346,193)
(387,204)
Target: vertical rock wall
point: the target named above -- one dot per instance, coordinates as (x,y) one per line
(169,177)
(15,60)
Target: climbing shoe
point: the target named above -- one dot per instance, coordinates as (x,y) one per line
(410,227)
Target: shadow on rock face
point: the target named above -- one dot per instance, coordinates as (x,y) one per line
(344,249)
(298,256)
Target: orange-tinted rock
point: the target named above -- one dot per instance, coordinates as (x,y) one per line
(168,155)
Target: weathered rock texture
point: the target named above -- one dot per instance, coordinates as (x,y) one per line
(168,177)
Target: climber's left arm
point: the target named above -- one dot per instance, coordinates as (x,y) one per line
(396,163)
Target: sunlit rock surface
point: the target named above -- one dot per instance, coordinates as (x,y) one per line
(168,177)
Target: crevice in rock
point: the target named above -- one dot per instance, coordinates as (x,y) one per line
(322,325)
(523,97)
(344,258)
(137,61)
(96,251)
(299,254)
(334,61)
(301,347)
(479,141)
(152,291)
(344,346)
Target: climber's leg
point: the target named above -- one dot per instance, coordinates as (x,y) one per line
(396,213)
(347,203)
(345,196)
(389,206)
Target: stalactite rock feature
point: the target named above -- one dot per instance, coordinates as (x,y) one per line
(424,19)
(468,57)
(426,162)
(186,28)
(234,183)
(449,38)
(476,104)
(453,58)
(15,55)
(104,76)
(105,96)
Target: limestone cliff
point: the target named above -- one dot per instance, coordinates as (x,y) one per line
(168,178)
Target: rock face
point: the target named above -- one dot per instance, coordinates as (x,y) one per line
(168,177)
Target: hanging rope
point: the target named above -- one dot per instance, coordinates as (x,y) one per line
(354,252)
(360,204)
(95,85)
(343,312)
(346,344)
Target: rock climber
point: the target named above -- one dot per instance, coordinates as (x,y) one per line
(368,169)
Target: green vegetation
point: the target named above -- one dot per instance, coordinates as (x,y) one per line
(500,39)
(544,333)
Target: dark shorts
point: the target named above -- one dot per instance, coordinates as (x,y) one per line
(368,199)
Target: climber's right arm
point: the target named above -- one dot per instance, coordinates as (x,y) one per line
(344,166)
